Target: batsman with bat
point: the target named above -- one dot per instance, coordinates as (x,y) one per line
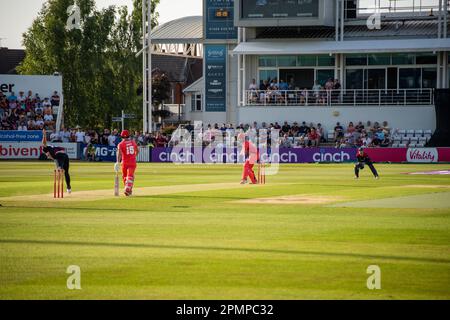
(250,151)
(127,152)
(363,158)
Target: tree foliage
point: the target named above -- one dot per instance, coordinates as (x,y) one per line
(98,64)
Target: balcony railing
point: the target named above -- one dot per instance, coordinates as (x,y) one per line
(345,97)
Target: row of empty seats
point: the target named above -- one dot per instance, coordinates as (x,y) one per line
(411,138)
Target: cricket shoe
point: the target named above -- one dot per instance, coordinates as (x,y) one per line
(244,182)
(69,191)
(128,192)
(377,177)
(356,177)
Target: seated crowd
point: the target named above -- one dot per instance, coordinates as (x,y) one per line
(303,135)
(28,112)
(281,92)
(368,135)
(107,137)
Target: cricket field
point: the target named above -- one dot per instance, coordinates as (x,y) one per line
(193,232)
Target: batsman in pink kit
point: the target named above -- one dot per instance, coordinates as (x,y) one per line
(127,152)
(250,151)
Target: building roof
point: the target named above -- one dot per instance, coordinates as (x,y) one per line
(183,30)
(197,86)
(349,46)
(10,59)
(179,69)
(398,29)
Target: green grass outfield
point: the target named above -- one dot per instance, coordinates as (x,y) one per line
(201,243)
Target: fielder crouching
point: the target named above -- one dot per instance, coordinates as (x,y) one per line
(363,158)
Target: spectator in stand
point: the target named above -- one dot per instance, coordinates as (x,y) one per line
(329,86)
(55,99)
(87,138)
(338,132)
(38,109)
(317,88)
(351,128)
(313,138)
(104,137)
(80,135)
(73,136)
(365,139)
(386,127)
(48,120)
(336,90)
(359,127)
(12,97)
(21,97)
(320,131)
(368,128)
(285,142)
(55,137)
(263,87)
(65,135)
(22,126)
(160,140)
(285,128)
(39,122)
(253,92)
(113,138)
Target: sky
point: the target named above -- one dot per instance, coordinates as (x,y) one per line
(16,16)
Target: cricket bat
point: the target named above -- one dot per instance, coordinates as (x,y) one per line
(116,185)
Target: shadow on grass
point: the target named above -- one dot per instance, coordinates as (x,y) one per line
(223,249)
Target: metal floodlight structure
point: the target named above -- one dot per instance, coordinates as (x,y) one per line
(182,37)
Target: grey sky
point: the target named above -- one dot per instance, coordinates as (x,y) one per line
(16,16)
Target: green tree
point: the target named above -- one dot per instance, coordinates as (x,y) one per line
(98,64)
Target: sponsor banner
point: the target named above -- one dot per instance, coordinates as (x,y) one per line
(44,85)
(219,16)
(387,154)
(32,150)
(215,78)
(307,155)
(285,155)
(109,154)
(102,152)
(276,9)
(444,154)
(422,155)
(21,136)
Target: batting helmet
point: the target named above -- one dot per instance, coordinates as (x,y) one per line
(125,134)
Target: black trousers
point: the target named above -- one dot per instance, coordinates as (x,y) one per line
(360,166)
(62,162)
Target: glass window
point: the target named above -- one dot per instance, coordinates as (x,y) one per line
(356,59)
(287,61)
(403,58)
(268,61)
(196,102)
(325,60)
(267,75)
(409,78)
(323,75)
(354,78)
(306,61)
(426,58)
(379,59)
(376,78)
(429,76)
